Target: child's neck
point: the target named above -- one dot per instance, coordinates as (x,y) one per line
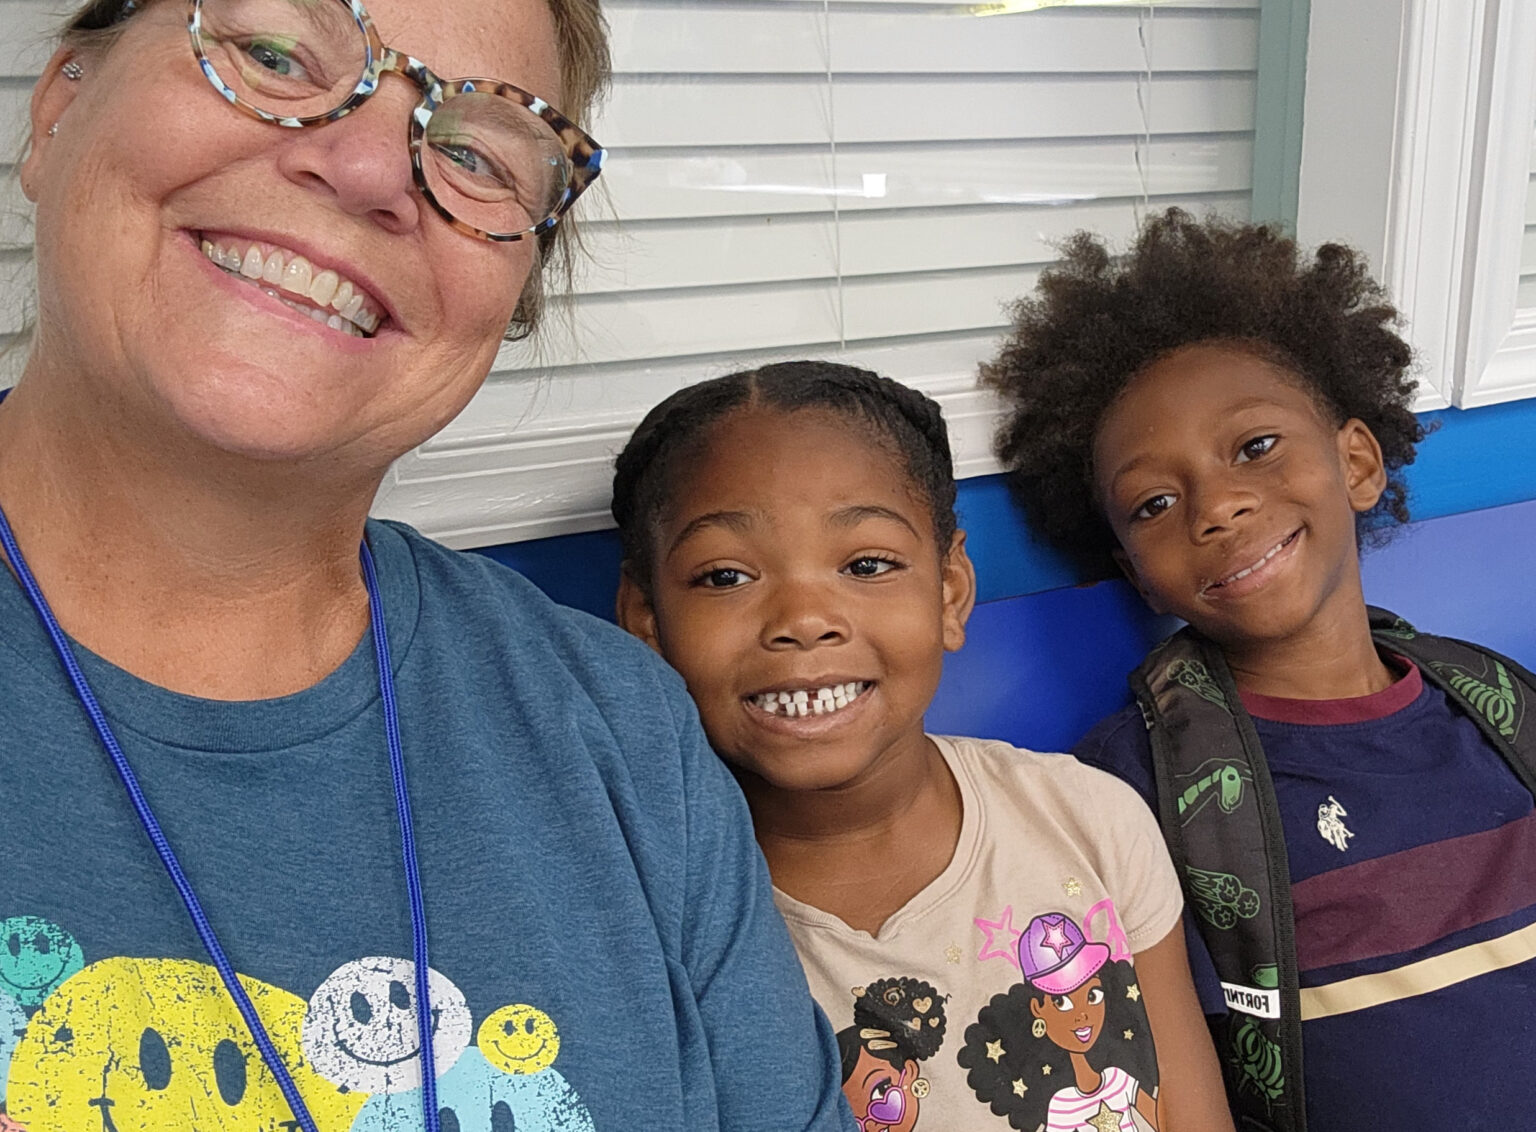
(861,851)
(1333,658)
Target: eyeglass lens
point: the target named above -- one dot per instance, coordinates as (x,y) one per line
(489,160)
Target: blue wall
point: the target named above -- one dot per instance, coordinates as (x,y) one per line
(1047,651)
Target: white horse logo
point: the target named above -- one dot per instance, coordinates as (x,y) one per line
(1330,825)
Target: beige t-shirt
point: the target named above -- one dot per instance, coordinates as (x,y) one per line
(1060,875)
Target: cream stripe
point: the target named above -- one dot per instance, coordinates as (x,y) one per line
(1419,978)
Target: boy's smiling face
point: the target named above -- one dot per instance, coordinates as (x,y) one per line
(795,555)
(1234,497)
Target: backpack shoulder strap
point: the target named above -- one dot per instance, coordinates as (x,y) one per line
(1494,691)
(1219,815)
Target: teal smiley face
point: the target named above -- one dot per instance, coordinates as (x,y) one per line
(36,955)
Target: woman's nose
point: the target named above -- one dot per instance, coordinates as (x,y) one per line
(362,161)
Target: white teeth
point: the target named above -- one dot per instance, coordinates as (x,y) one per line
(323,287)
(811,701)
(1243,573)
(296,279)
(303,288)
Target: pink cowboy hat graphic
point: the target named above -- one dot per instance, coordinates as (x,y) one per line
(1055,957)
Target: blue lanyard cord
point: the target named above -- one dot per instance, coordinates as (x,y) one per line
(407,842)
(194,908)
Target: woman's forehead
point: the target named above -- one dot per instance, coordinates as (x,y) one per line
(514,40)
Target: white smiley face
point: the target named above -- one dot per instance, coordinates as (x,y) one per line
(360,1029)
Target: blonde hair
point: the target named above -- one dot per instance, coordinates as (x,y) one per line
(581,39)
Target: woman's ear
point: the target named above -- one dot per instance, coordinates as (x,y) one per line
(959,581)
(1365,470)
(52,94)
(632,609)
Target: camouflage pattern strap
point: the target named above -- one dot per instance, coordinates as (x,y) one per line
(1219,815)
(1493,691)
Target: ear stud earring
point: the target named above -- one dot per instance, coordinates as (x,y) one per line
(53,129)
(72,71)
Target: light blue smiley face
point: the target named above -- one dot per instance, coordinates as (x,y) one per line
(36,955)
(475,1096)
(13,1024)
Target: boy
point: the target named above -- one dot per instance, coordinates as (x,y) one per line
(1354,828)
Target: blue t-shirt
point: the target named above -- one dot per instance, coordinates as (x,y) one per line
(1412,853)
(605,951)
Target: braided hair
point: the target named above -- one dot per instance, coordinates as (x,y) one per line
(676,433)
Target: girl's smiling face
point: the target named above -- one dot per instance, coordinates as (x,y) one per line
(1073,1021)
(797,562)
(149,162)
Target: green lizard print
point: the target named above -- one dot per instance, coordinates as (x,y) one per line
(1220,898)
(1217,779)
(1257,1060)
(1399,629)
(1194,676)
(1501,706)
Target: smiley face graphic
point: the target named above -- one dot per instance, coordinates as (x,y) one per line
(149,1044)
(360,1029)
(519,1039)
(36,955)
(475,1096)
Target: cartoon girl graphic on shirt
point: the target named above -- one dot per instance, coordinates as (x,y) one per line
(896,1023)
(1069,1049)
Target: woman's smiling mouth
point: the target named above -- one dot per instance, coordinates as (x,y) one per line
(1255,575)
(321,294)
(1084,1035)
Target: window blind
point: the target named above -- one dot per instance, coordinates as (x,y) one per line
(871,181)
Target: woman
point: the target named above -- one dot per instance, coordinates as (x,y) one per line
(240,325)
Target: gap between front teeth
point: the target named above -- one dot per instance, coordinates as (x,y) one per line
(809,701)
(324,296)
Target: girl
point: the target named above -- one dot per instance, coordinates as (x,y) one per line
(791,548)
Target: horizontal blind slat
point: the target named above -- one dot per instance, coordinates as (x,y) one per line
(679,185)
(698,112)
(747,39)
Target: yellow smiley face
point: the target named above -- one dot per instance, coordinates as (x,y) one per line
(519,1039)
(130,1044)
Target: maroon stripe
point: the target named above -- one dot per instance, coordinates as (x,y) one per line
(1410,899)
(1356,709)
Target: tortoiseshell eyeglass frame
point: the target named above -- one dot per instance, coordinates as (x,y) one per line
(583,153)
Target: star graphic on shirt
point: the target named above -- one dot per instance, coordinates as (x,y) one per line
(1019,1087)
(952,953)
(1072,886)
(1130,1034)
(995,1050)
(1000,929)
(1133,992)
(1046,1069)
(1105,1120)
(1056,937)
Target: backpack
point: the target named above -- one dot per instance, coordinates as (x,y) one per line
(1216,804)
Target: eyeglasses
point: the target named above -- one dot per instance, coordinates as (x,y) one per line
(495,161)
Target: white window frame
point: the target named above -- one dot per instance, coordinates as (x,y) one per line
(1431,182)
